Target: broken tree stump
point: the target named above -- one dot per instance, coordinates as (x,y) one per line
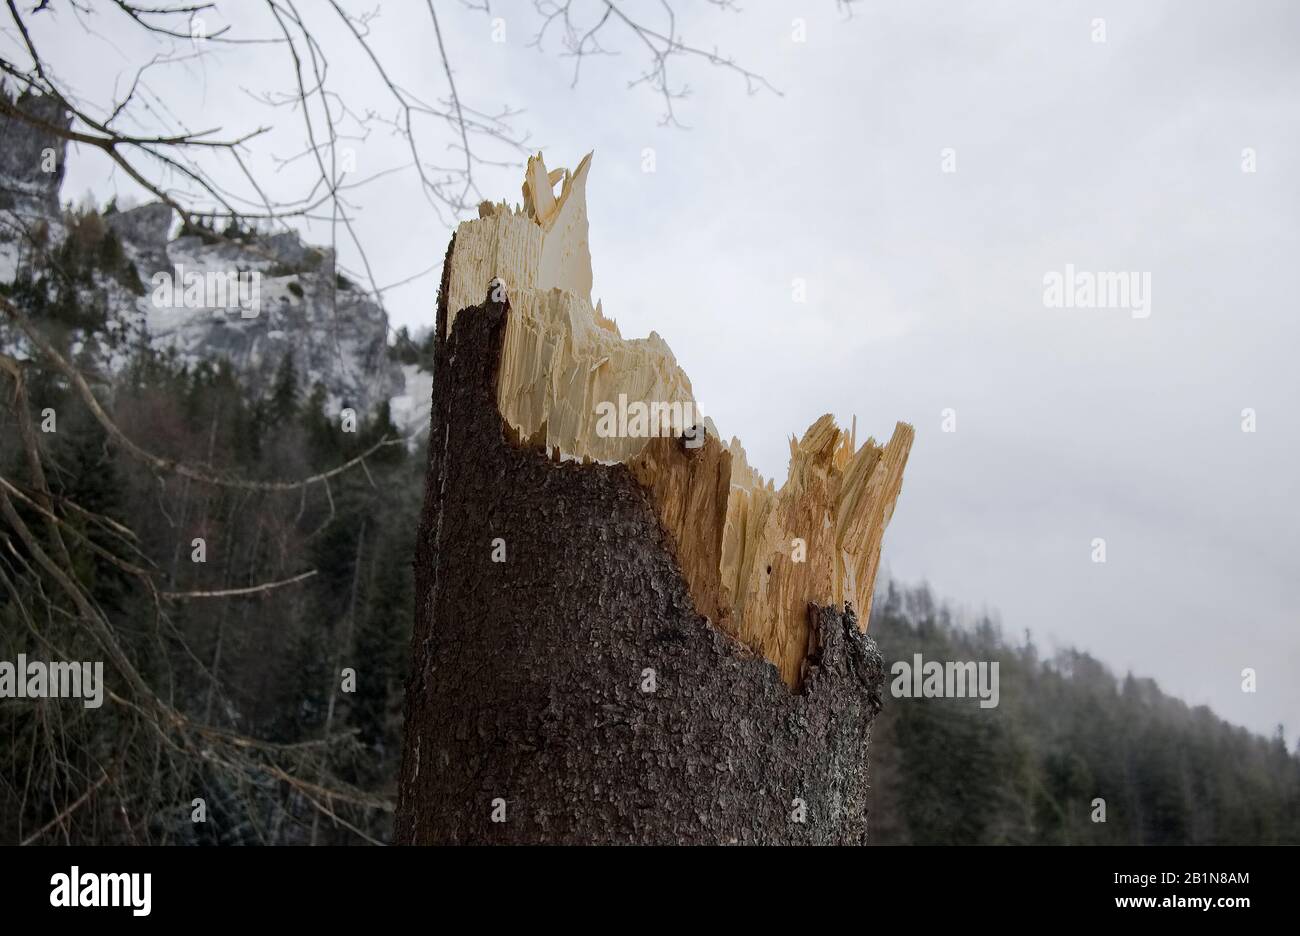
(623,633)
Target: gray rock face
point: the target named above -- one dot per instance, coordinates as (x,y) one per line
(336,335)
(146,228)
(31,159)
(293,301)
(288,249)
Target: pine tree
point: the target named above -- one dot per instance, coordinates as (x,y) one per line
(323,439)
(380,639)
(283,407)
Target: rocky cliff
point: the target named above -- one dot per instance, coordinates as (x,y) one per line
(250,298)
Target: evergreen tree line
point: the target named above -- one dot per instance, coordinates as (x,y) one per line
(268,666)
(1066,733)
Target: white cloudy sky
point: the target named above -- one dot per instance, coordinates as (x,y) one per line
(924,288)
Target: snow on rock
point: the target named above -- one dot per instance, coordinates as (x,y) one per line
(410,408)
(336,333)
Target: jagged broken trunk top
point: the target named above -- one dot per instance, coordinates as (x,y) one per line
(623,633)
(754,557)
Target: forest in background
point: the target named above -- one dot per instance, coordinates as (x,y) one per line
(274,747)
(261,673)
(1066,731)
(267,665)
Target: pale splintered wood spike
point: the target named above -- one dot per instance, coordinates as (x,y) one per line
(753,556)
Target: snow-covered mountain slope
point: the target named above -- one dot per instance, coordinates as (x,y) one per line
(252,299)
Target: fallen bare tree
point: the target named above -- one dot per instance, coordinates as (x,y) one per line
(623,633)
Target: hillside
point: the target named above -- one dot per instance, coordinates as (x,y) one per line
(123,280)
(1066,731)
(259,397)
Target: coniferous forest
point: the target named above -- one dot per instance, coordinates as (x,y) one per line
(313,322)
(261,664)
(265,664)
(1066,731)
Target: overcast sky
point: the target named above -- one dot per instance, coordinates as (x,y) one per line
(925,288)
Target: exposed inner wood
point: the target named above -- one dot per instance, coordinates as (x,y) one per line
(754,556)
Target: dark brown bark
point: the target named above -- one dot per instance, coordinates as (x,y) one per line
(527,676)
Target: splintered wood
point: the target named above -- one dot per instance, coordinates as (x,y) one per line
(753,556)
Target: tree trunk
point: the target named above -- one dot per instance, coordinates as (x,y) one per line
(565,686)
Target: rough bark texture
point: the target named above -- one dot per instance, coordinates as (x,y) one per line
(527,675)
